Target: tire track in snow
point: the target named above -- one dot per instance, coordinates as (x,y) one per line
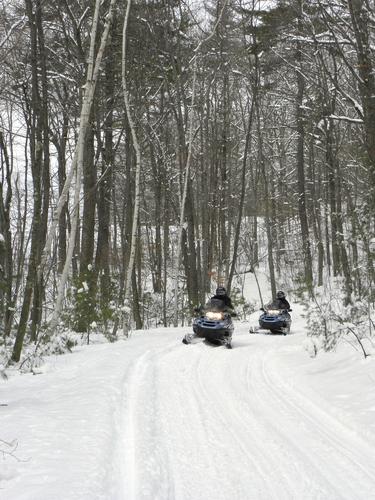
(194,441)
(130,400)
(310,482)
(250,432)
(316,453)
(135,403)
(220,424)
(200,446)
(289,468)
(227,419)
(166,454)
(332,436)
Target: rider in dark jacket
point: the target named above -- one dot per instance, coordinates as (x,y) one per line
(280,302)
(221,294)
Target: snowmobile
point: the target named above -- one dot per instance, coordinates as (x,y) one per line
(274,319)
(213,324)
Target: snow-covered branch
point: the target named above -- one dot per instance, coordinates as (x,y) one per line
(346,119)
(14,27)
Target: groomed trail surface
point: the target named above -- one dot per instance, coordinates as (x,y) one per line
(152,418)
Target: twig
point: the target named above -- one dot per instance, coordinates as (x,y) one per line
(12,448)
(365,354)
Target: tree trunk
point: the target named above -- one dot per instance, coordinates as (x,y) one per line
(242,196)
(36,315)
(261,160)
(102,257)
(6,256)
(301,167)
(361,21)
(36,153)
(133,243)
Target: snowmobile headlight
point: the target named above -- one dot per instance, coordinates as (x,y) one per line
(273,312)
(214,315)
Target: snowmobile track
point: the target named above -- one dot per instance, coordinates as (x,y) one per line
(204,424)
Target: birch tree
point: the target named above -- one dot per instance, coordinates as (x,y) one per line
(133,242)
(94,64)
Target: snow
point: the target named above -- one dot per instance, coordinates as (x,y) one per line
(152,418)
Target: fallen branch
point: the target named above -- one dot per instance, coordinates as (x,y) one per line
(8,449)
(365,354)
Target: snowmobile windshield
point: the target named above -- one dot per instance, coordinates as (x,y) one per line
(215,305)
(275,304)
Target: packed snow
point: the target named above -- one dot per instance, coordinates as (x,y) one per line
(151,418)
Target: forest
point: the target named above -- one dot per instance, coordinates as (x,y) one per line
(152,149)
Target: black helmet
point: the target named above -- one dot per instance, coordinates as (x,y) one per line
(220,290)
(280,295)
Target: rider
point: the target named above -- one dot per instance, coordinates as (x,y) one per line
(280,302)
(221,294)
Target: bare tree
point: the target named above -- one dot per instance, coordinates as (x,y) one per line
(133,242)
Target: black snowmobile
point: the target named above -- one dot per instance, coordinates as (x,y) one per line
(274,319)
(213,324)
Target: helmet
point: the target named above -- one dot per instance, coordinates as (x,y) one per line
(220,290)
(280,295)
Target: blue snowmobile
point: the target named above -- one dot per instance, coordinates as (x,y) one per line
(213,324)
(274,319)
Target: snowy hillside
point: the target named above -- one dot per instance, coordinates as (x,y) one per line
(151,418)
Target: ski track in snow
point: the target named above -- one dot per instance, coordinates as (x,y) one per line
(153,419)
(210,423)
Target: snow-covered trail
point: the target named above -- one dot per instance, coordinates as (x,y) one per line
(154,419)
(208,423)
